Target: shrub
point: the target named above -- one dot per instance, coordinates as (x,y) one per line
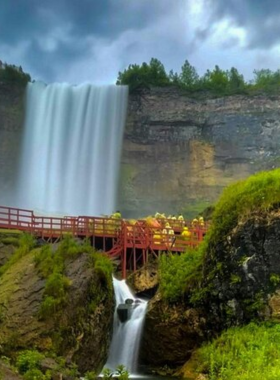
(71,247)
(55,294)
(28,360)
(26,244)
(177,272)
(103,267)
(245,353)
(121,372)
(36,374)
(260,192)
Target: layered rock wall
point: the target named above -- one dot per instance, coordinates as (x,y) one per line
(179,153)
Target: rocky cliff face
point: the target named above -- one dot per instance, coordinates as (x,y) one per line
(240,283)
(179,153)
(11,121)
(81,333)
(243,277)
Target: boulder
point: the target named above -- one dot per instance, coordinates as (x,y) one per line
(170,333)
(81,332)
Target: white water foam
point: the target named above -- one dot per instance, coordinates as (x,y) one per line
(124,348)
(71,148)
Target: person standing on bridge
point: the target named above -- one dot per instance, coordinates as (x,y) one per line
(170,236)
(116,215)
(181,220)
(186,234)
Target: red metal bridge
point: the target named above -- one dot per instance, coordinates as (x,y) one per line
(132,244)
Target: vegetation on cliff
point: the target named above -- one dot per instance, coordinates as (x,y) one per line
(189,276)
(11,74)
(218,82)
(251,352)
(57,299)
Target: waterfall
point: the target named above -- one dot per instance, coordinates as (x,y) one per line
(126,339)
(71,148)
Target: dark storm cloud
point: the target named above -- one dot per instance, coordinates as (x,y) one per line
(260,18)
(56,32)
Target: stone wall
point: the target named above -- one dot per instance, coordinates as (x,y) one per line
(179,153)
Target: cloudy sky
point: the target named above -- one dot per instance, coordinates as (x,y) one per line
(91,40)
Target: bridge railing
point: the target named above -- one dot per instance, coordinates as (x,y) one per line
(142,236)
(88,226)
(160,239)
(14,218)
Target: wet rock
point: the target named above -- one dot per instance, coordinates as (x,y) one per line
(170,333)
(8,373)
(145,280)
(242,278)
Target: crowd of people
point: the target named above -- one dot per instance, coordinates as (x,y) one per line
(164,229)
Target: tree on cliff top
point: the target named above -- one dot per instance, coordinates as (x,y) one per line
(146,75)
(189,77)
(12,74)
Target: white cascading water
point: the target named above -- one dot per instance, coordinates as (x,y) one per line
(124,348)
(71,148)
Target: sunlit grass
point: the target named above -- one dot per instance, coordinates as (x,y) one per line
(244,353)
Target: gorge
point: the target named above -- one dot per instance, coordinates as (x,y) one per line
(178,153)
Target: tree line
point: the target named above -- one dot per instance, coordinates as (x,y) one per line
(216,81)
(13,75)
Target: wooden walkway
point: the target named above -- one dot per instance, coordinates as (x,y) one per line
(132,244)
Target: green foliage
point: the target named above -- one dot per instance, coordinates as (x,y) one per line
(267,80)
(103,267)
(121,373)
(49,260)
(188,78)
(235,279)
(51,264)
(177,273)
(274,279)
(56,285)
(10,240)
(217,82)
(71,247)
(26,244)
(260,192)
(107,374)
(90,375)
(36,374)
(245,353)
(12,74)
(146,75)
(28,360)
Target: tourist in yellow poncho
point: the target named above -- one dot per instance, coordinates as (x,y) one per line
(201,221)
(186,234)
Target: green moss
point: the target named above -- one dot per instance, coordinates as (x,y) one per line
(104,268)
(26,244)
(10,241)
(274,279)
(260,192)
(235,279)
(51,264)
(254,306)
(177,273)
(245,353)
